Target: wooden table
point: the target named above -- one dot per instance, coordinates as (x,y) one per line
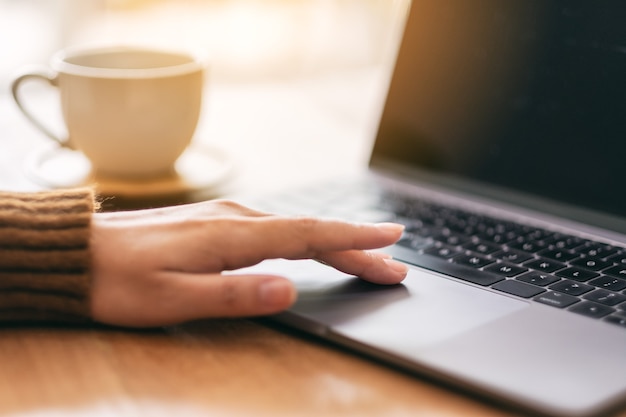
(223,367)
(208,368)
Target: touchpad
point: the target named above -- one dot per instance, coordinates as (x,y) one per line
(424,310)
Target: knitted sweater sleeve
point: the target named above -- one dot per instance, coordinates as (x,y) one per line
(44,255)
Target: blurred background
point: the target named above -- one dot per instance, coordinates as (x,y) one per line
(247,40)
(291,83)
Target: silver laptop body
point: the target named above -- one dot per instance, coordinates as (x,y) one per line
(510,110)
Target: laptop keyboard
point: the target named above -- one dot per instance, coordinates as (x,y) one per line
(580,275)
(564,271)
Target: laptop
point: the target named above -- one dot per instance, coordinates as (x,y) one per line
(501,147)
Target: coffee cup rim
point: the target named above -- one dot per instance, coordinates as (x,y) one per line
(60,64)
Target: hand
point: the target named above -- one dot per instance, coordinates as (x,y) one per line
(164,266)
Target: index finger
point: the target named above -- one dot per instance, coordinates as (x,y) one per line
(248,241)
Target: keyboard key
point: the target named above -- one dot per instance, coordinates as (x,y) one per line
(414,242)
(593,264)
(620,321)
(609,283)
(616,271)
(619,258)
(556,299)
(497,238)
(505,269)
(530,247)
(544,265)
(571,287)
(445,252)
(484,248)
(557,254)
(518,288)
(598,250)
(538,278)
(451,239)
(593,310)
(474,261)
(605,297)
(512,255)
(577,274)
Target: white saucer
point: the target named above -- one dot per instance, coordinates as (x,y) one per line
(200,167)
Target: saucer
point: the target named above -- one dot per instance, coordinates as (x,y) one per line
(199,168)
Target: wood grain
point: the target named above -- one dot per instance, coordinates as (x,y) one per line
(208,368)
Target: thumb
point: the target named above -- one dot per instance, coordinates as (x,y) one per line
(188,297)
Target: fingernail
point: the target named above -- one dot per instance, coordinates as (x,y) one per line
(390,227)
(276,293)
(396,266)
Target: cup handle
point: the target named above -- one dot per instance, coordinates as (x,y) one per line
(37,74)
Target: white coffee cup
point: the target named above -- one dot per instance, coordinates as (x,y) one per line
(132,111)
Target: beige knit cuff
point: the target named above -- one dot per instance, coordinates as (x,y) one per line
(44,255)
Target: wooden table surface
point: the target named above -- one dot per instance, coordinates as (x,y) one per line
(208,368)
(219,367)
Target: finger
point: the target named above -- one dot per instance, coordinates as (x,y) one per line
(188,297)
(248,242)
(373,267)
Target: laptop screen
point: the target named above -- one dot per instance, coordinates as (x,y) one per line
(525,95)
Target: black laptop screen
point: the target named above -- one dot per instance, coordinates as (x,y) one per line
(523,94)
